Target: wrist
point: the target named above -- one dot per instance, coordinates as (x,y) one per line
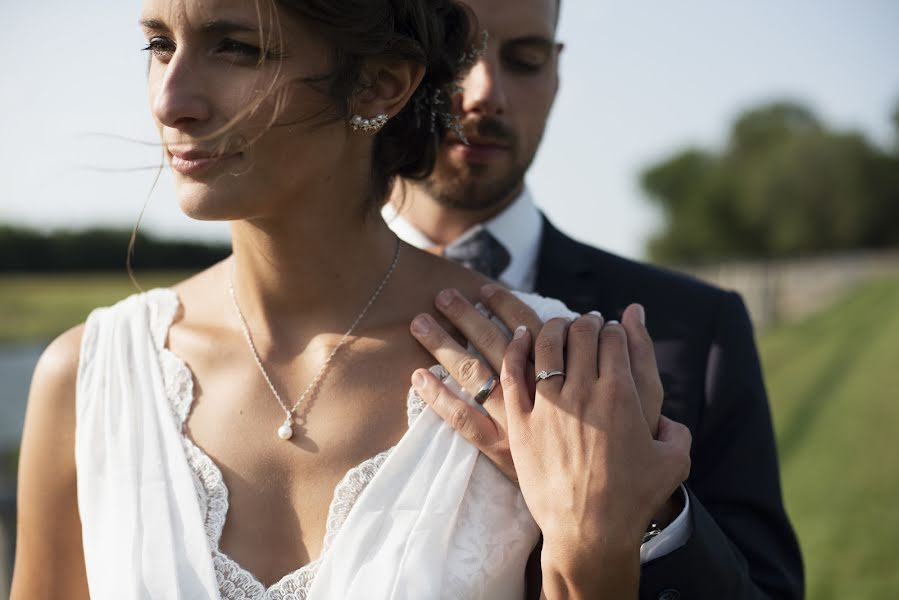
(670,510)
(589,571)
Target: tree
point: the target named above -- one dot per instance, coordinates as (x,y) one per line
(785,185)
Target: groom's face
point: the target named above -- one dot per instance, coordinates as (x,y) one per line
(504,105)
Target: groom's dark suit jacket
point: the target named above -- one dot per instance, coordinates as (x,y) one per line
(742,545)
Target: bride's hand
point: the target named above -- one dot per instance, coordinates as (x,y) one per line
(589,469)
(488,432)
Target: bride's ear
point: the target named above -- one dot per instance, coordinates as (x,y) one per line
(386,87)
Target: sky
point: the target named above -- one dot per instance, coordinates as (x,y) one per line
(639,81)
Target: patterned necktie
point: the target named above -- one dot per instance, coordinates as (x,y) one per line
(481,252)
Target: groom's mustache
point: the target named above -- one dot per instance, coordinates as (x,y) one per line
(489,128)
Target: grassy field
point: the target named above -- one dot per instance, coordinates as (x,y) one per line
(36,308)
(834,387)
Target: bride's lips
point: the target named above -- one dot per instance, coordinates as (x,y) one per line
(191,162)
(478,150)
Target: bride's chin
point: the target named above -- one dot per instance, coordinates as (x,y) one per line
(210,207)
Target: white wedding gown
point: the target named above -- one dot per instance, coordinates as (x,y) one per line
(429,518)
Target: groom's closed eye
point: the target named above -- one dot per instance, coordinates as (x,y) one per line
(526,55)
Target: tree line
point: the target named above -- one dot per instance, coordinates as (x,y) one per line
(785,185)
(99,249)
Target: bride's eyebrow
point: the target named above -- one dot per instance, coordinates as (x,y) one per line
(224,27)
(216,26)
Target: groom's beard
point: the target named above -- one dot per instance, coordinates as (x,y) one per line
(479,186)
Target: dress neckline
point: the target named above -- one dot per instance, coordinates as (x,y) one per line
(212,492)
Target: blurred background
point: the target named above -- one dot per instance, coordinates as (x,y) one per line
(755,145)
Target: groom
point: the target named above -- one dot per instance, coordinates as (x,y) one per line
(736,541)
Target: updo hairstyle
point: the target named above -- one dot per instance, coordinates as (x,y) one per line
(438,34)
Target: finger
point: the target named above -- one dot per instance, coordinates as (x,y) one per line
(510,309)
(485,335)
(677,440)
(467,369)
(549,353)
(513,378)
(583,345)
(472,424)
(613,357)
(643,365)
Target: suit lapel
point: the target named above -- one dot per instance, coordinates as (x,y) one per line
(565,272)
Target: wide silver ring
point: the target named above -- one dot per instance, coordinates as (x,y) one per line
(486,390)
(547,374)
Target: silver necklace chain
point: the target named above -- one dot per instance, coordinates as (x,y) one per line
(285,432)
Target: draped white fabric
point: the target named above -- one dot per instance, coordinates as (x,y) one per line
(141,525)
(436,521)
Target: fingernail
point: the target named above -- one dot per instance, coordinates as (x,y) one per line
(612,323)
(421,325)
(418,381)
(641,314)
(488,291)
(445,298)
(519,332)
(596,313)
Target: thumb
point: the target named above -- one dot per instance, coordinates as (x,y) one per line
(675,440)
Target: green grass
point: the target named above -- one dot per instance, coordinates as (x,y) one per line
(36,308)
(834,387)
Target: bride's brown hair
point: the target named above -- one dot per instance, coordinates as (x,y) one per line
(438,34)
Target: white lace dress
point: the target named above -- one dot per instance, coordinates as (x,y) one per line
(428,518)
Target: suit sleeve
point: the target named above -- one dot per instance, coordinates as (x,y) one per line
(742,546)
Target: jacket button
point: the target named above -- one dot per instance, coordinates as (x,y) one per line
(669,595)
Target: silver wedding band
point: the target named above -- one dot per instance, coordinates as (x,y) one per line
(547,374)
(486,390)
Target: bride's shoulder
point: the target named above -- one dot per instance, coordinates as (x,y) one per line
(47,474)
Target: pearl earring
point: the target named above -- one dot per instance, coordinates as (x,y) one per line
(359,123)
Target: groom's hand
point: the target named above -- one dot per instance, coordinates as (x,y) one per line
(489,432)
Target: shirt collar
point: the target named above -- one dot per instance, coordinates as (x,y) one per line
(518,227)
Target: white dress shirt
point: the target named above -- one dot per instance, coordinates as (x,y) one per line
(520,229)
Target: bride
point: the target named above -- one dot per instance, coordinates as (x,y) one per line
(250,432)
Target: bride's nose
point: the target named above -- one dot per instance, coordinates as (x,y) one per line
(179,96)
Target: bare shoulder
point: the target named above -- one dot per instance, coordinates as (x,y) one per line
(434,273)
(48,482)
(58,365)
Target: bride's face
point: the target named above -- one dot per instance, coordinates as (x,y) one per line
(238,126)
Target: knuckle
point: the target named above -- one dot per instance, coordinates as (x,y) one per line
(452,304)
(577,391)
(656,389)
(509,378)
(459,418)
(487,337)
(616,387)
(613,332)
(469,370)
(616,374)
(584,326)
(546,345)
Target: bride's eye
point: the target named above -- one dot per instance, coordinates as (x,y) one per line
(160,47)
(241,49)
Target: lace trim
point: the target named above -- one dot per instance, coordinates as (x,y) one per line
(235,582)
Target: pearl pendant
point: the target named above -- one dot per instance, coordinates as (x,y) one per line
(285,431)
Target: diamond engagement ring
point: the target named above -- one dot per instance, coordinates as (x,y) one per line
(486,390)
(547,374)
